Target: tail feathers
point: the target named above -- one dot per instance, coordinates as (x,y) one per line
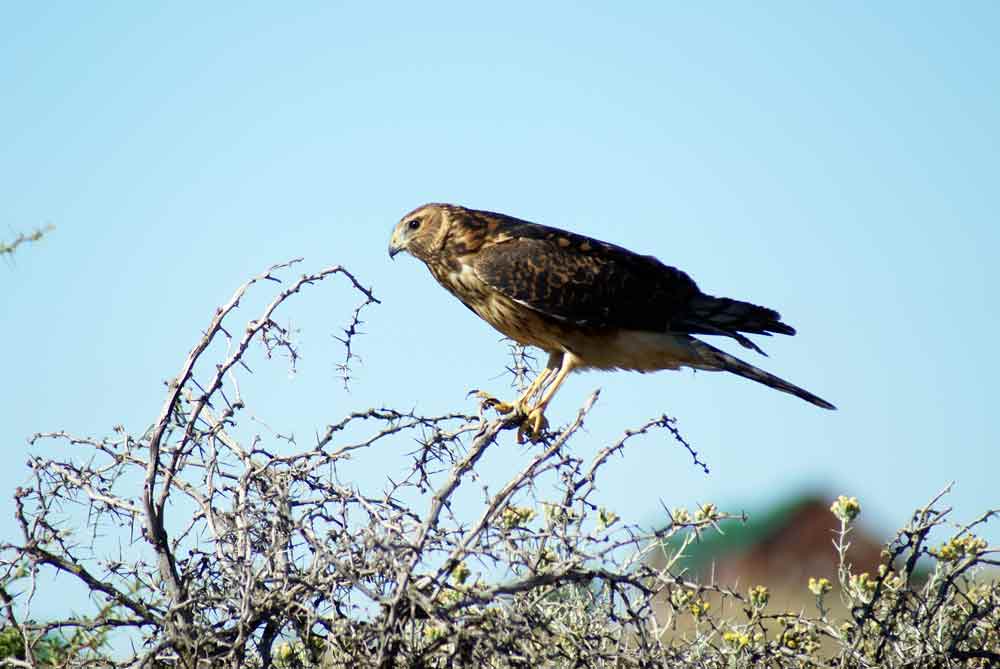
(723,316)
(722,361)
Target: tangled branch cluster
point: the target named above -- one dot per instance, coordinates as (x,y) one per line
(239,554)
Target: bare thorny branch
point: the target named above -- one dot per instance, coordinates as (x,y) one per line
(8,248)
(239,550)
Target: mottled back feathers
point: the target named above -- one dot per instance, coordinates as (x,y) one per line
(591,283)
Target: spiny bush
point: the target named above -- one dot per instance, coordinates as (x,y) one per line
(241,548)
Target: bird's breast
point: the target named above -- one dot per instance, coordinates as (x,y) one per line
(516,321)
(464,281)
(519,322)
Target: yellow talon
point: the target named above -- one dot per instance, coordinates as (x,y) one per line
(533,423)
(491,402)
(532,426)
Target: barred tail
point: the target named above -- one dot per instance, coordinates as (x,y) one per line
(722,361)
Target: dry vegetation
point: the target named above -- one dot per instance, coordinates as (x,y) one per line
(248,552)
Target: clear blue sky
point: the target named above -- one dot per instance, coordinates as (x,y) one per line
(836,161)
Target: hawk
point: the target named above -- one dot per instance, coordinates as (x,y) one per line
(587,303)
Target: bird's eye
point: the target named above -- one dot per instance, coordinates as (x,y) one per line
(414,224)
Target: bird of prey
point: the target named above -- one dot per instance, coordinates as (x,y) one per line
(587,303)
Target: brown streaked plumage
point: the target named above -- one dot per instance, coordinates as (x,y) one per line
(589,304)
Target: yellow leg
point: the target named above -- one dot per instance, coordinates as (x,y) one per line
(554,362)
(523,403)
(535,421)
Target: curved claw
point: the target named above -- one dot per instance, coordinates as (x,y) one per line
(491,402)
(532,426)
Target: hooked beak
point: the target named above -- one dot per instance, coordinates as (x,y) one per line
(394,249)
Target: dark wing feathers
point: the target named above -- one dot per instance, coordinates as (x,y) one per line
(712,315)
(726,314)
(598,287)
(574,278)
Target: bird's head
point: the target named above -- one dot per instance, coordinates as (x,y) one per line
(421,231)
